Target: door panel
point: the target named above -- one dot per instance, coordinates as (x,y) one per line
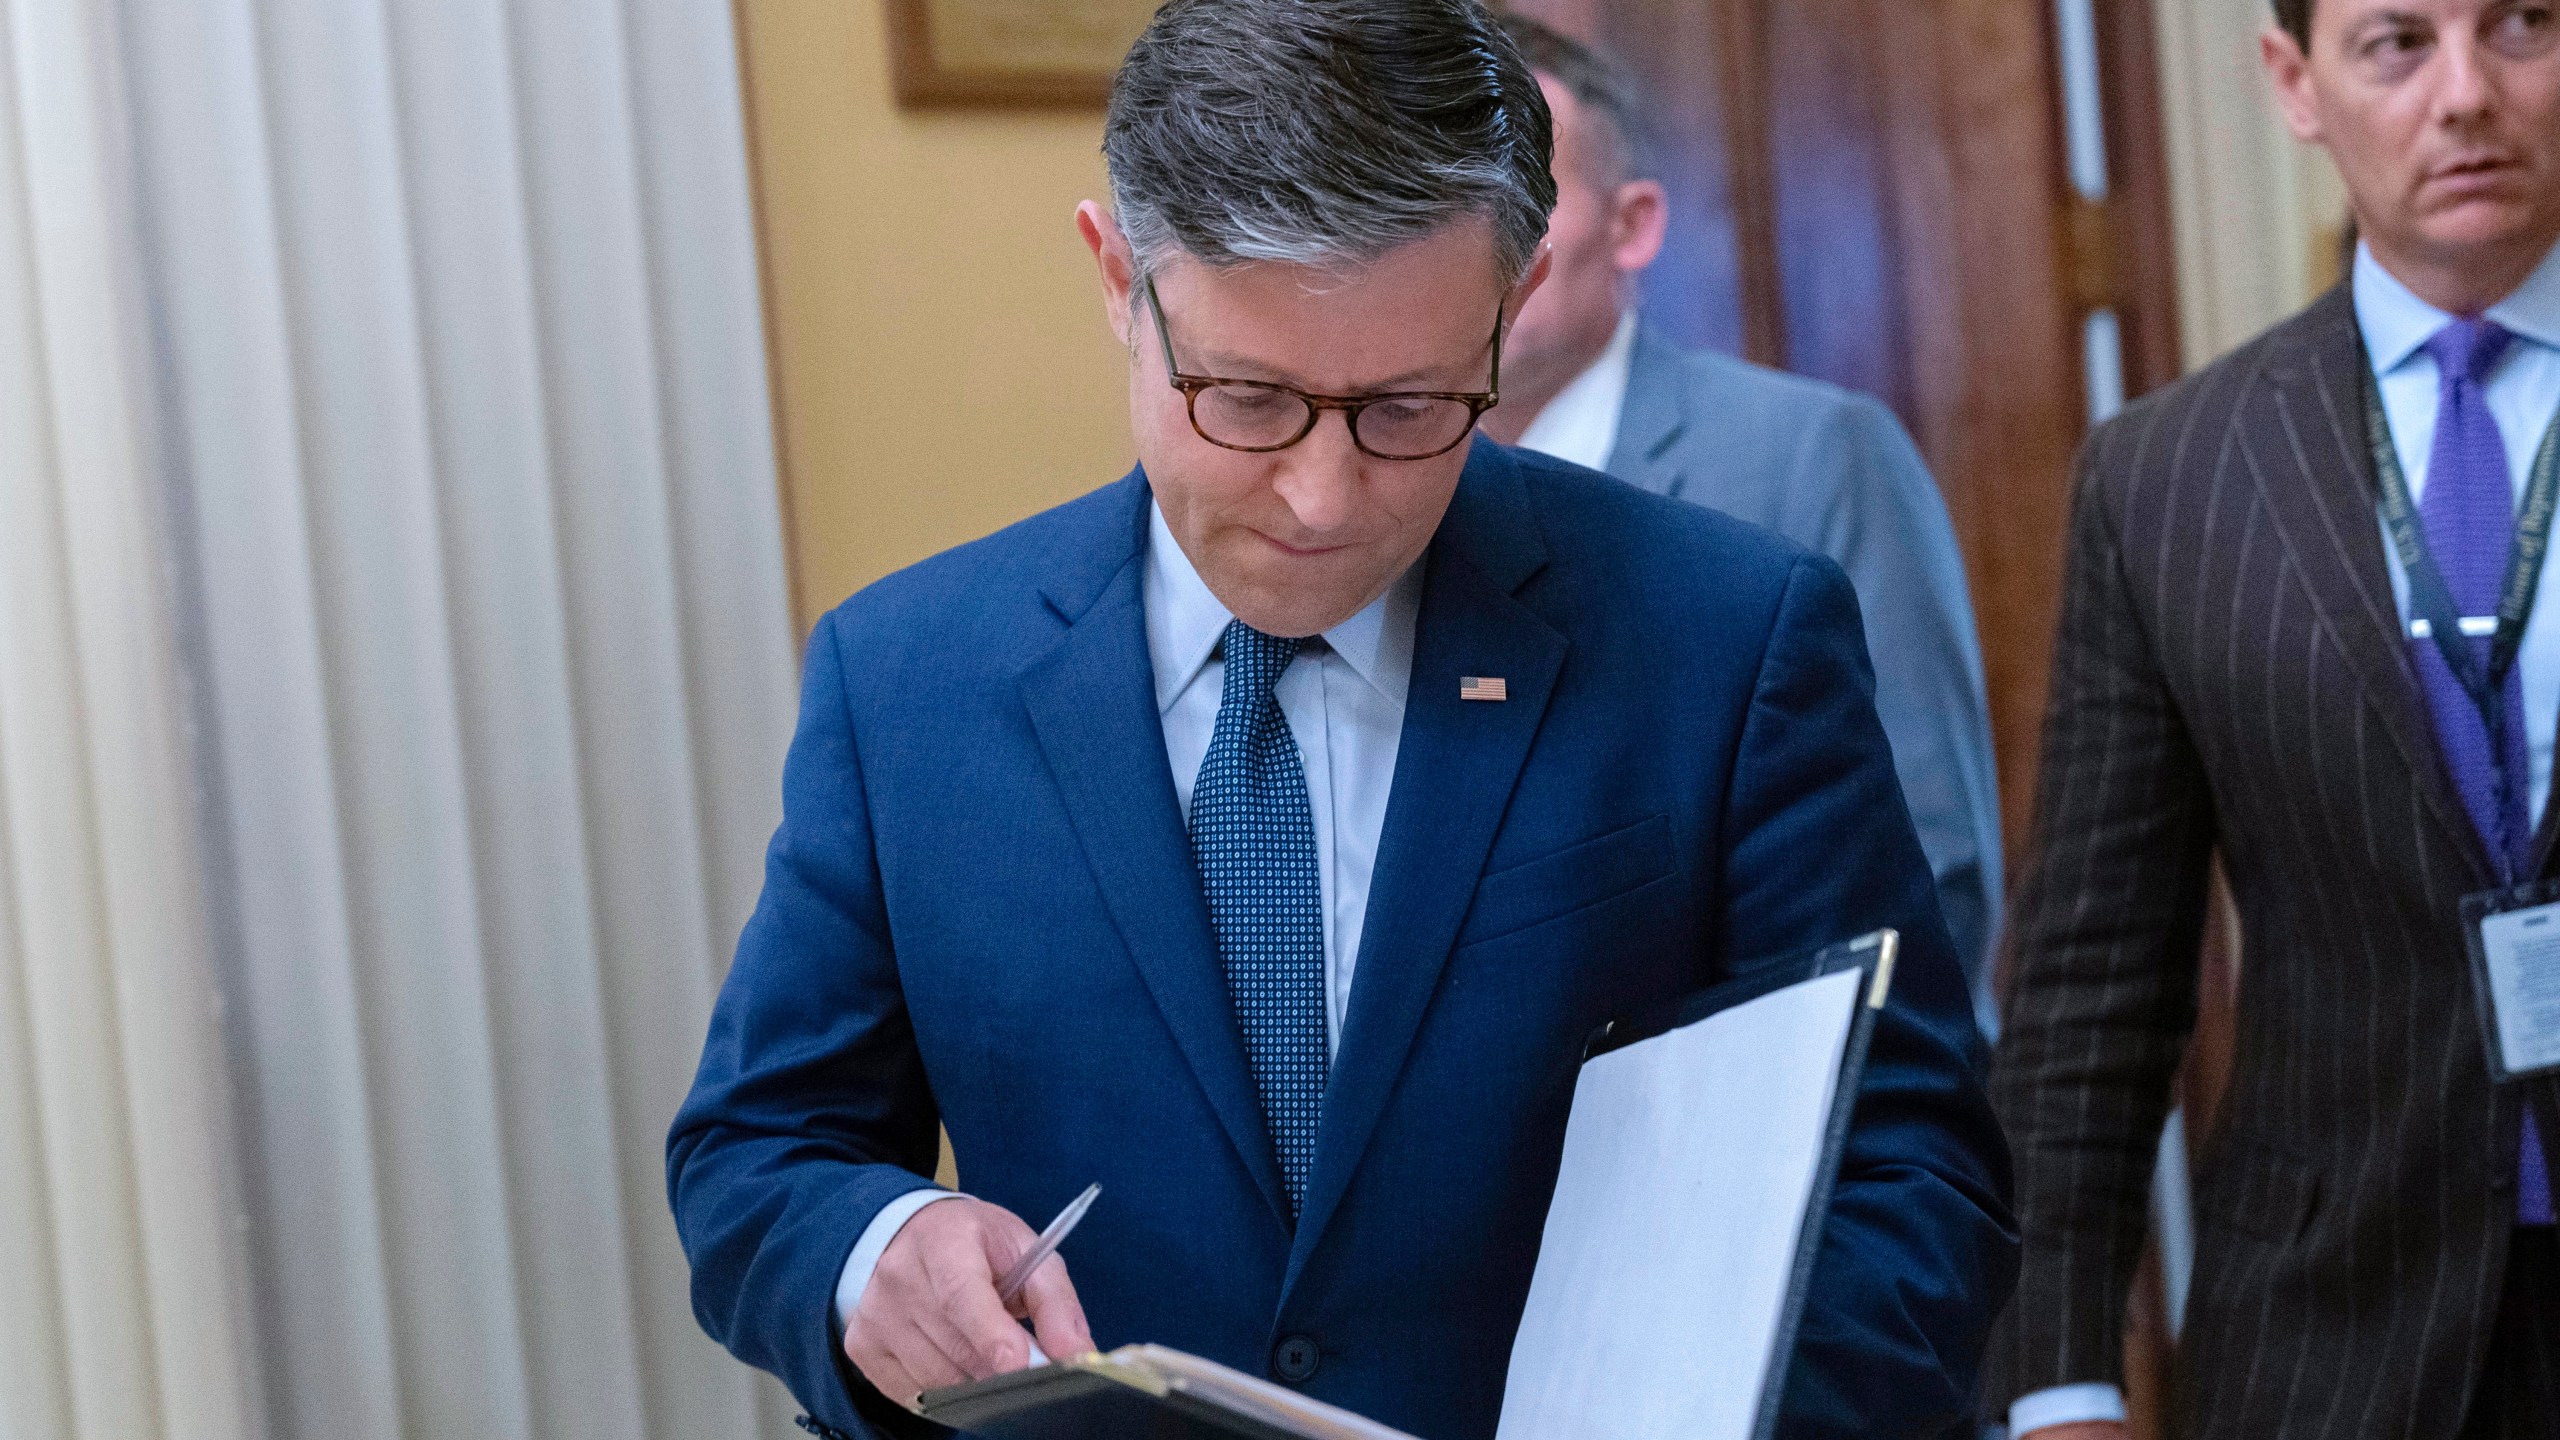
(1873,192)
(1839,251)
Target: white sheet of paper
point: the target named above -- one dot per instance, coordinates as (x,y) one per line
(1688,1163)
(2523,951)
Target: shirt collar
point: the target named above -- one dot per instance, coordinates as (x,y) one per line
(1580,425)
(2397,324)
(1185,621)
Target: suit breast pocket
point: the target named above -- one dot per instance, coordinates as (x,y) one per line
(1573,879)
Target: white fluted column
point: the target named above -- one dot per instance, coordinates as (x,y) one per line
(119,1211)
(395,667)
(480,523)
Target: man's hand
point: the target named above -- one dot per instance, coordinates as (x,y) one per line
(2080,1430)
(930,1316)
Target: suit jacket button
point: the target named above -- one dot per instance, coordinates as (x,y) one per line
(1296,1359)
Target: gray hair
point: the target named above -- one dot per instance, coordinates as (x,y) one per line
(1325,132)
(1600,84)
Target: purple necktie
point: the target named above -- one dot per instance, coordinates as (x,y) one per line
(2470,518)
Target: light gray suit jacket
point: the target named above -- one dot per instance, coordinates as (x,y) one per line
(1835,472)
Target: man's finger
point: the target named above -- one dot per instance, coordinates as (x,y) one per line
(931,1361)
(895,1326)
(897,1320)
(965,1288)
(880,1364)
(891,1379)
(958,1353)
(1049,1302)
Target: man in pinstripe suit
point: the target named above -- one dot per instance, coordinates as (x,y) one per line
(2236,671)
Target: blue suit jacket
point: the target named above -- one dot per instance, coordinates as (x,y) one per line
(1833,471)
(981,910)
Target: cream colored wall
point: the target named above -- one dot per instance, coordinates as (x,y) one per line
(2257,214)
(941,366)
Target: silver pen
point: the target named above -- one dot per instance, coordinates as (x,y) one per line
(1010,1287)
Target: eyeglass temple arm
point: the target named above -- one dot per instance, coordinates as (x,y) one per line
(1156,308)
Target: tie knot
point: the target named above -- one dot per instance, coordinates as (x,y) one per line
(1255,660)
(2469,349)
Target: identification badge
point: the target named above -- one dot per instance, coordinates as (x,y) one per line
(2514,939)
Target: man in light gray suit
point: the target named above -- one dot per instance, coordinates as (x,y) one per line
(1584,380)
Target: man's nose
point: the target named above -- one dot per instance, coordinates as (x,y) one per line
(2466,88)
(1319,476)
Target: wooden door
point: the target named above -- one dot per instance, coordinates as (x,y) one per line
(1874,192)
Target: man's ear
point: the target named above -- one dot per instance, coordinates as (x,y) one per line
(2289,72)
(1540,264)
(1112,256)
(1639,216)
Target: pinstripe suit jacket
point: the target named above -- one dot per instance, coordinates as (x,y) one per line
(2230,674)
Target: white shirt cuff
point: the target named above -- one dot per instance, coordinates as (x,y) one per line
(2065,1405)
(874,1243)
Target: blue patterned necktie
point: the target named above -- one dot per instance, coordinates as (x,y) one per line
(2470,516)
(1254,839)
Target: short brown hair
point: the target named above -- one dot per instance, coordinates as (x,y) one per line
(2295,17)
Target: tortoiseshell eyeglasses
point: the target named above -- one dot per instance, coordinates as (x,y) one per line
(1258,416)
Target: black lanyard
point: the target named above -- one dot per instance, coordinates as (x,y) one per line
(2432,600)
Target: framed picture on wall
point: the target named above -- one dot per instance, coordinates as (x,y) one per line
(1010,52)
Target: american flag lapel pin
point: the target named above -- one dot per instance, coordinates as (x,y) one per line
(1491,688)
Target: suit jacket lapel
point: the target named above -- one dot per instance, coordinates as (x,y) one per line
(2302,437)
(1092,703)
(1455,770)
(1655,417)
(2546,836)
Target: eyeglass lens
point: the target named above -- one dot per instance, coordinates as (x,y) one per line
(1256,417)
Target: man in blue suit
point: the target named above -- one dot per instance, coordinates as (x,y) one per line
(1263,835)
(1833,471)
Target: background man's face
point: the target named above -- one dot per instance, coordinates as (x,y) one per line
(1297,541)
(2443,117)
(1605,229)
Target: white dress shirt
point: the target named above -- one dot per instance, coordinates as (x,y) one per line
(1344,701)
(1580,425)
(2523,395)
